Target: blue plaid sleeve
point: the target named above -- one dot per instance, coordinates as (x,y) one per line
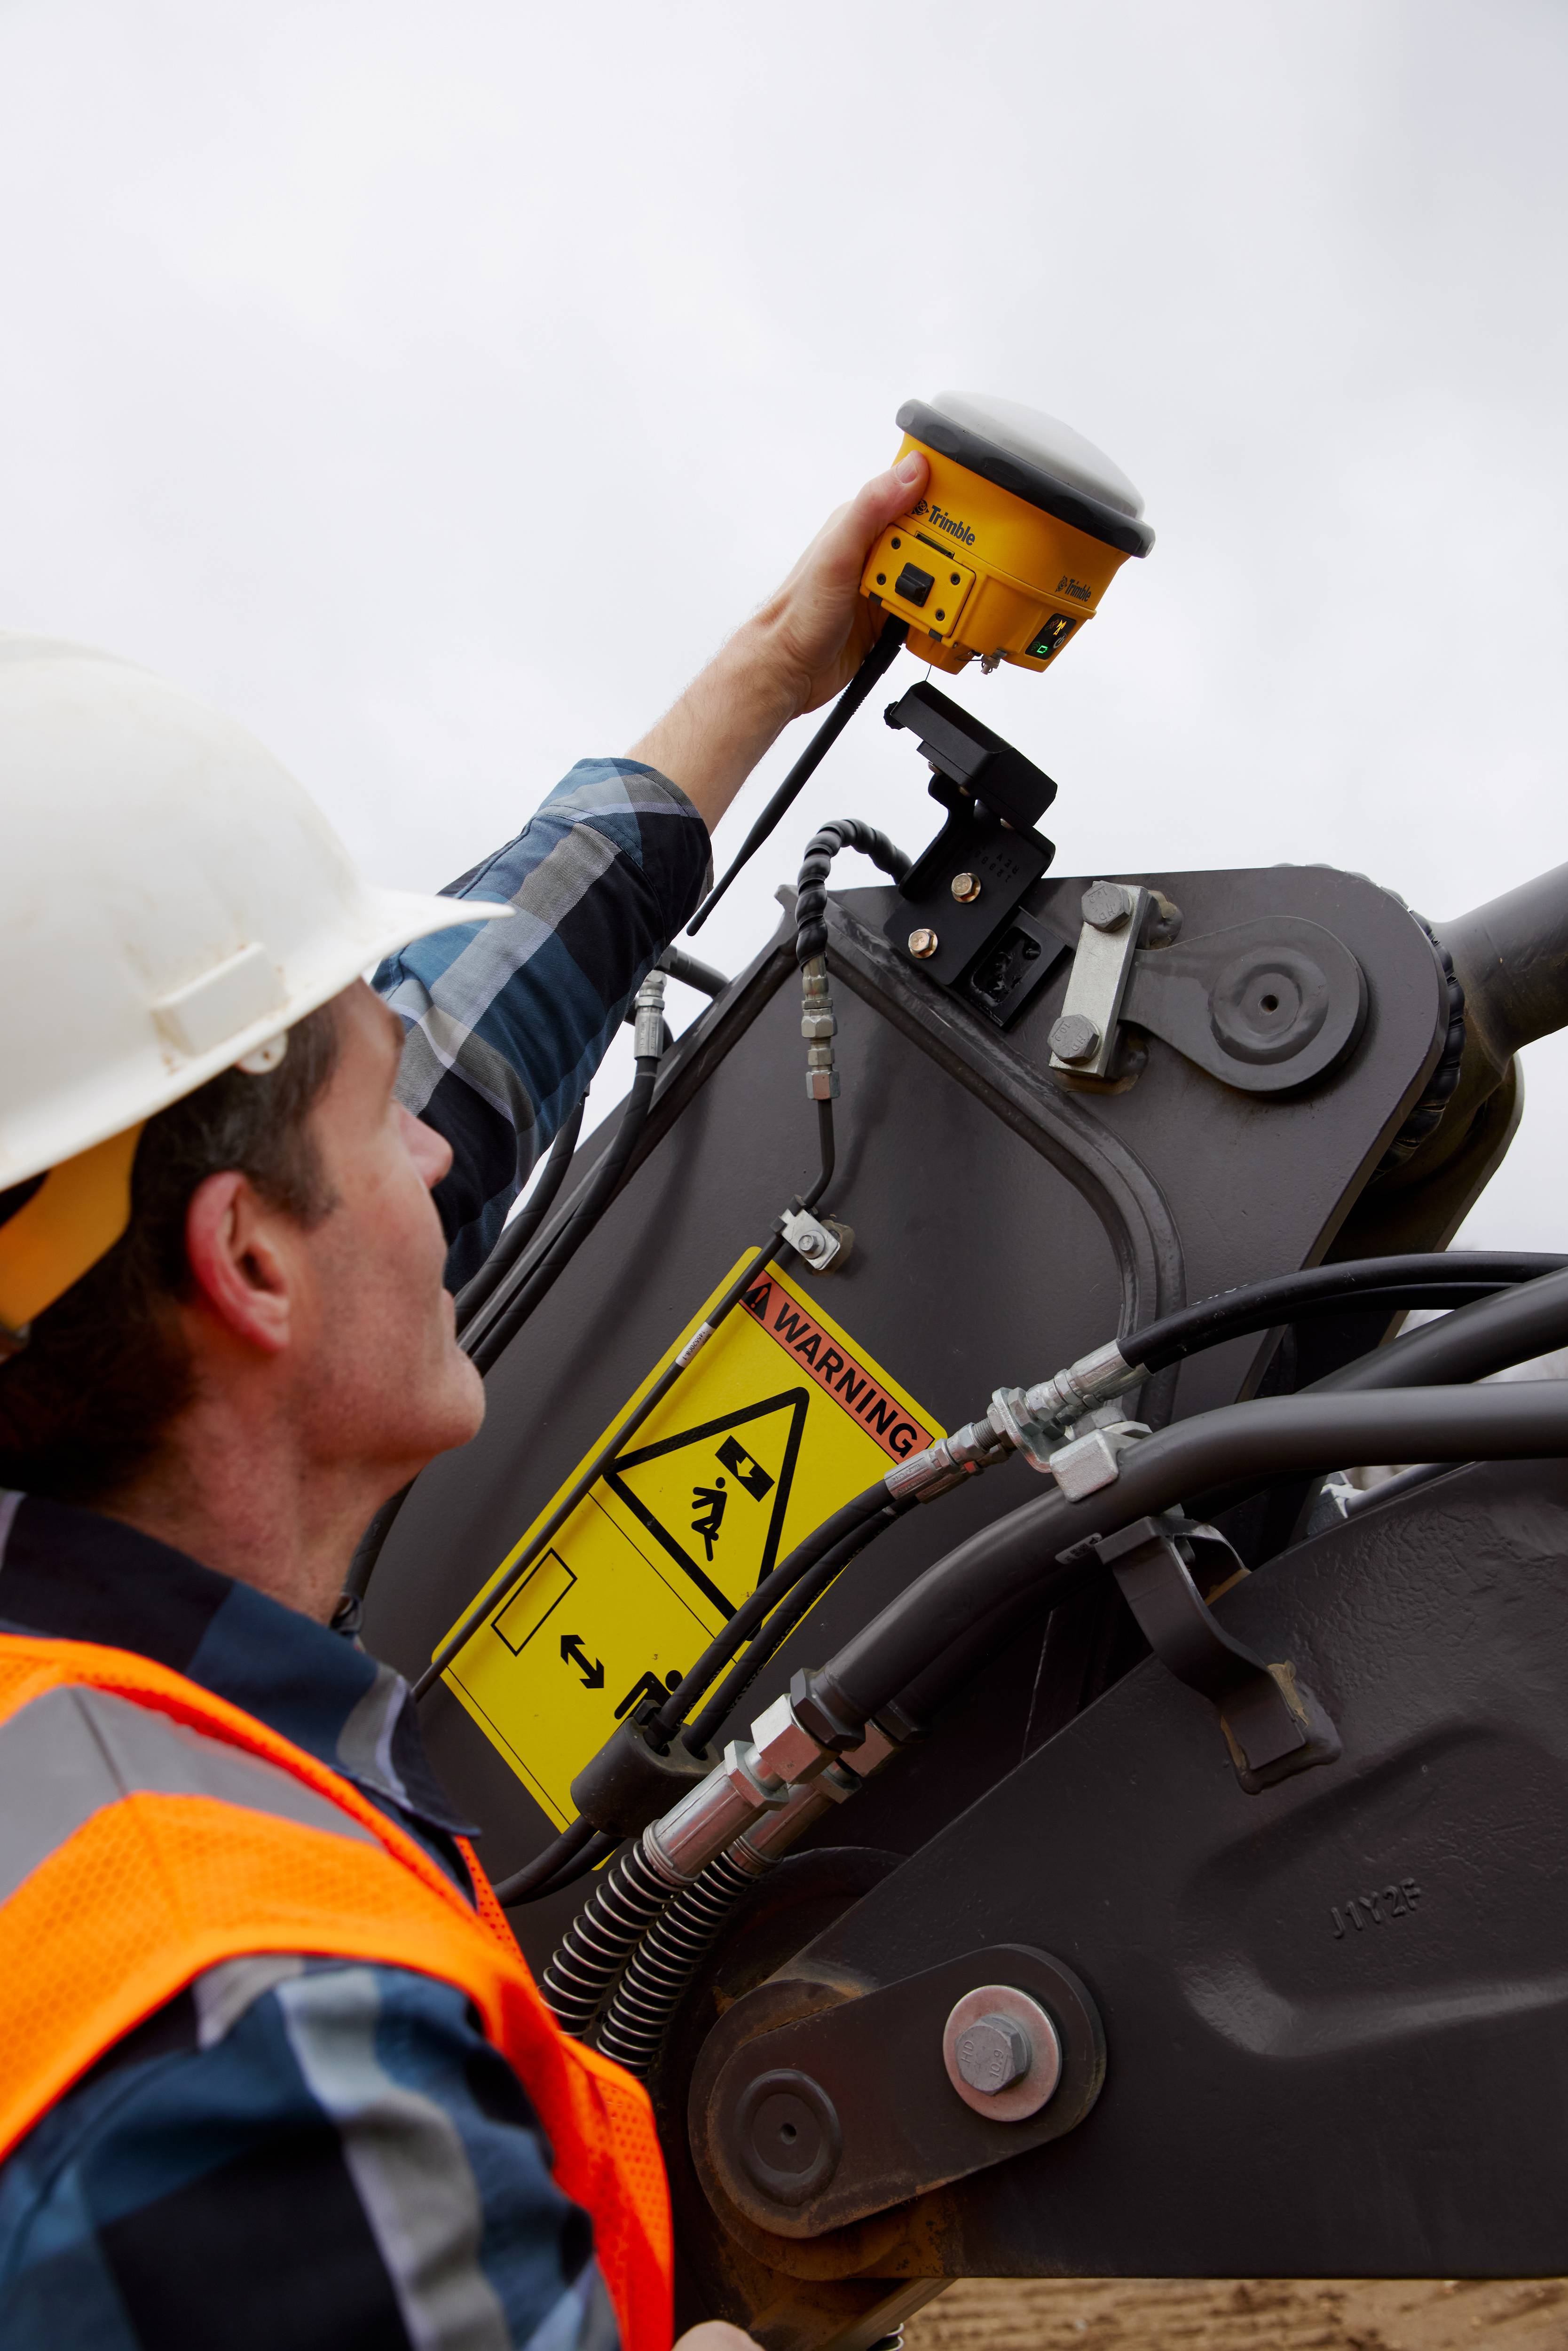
(507,1022)
(304,2153)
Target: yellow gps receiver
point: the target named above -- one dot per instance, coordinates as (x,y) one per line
(1022,527)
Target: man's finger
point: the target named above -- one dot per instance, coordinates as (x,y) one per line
(883,498)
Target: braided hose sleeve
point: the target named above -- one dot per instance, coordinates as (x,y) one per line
(812,891)
(664,1963)
(595,1947)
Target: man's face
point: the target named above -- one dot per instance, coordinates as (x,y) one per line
(381,1378)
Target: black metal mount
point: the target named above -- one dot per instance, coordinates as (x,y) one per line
(1273,1726)
(958,917)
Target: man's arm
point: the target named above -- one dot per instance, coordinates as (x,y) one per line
(802,648)
(507,1022)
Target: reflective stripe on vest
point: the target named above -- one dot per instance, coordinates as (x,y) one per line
(149,1831)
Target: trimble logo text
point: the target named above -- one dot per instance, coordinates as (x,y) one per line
(1068,586)
(947,522)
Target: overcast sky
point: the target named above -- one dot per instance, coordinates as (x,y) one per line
(436,385)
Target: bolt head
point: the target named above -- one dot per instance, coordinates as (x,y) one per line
(993,2053)
(1074,1039)
(965,888)
(1106,905)
(922,944)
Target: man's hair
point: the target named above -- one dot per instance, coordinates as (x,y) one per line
(87,1402)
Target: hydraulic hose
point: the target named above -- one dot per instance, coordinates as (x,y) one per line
(1363,1282)
(1468,1343)
(1472,1343)
(753,1610)
(519,1231)
(808,1589)
(691,973)
(875,666)
(1269,1437)
(535,1877)
(494,1329)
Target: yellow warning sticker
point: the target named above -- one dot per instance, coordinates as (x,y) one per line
(779,1420)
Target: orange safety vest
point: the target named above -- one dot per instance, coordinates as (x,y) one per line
(152,1830)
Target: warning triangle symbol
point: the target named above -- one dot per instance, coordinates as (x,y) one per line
(714,1498)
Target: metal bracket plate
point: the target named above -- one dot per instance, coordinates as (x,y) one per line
(846,2112)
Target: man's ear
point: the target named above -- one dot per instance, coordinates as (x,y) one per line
(236,1247)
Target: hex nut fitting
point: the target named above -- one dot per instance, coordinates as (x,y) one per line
(965,888)
(922,944)
(1074,1039)
(750,1775)
(1106,905)
(785,1749)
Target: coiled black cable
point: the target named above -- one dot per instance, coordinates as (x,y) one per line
(600,1939)
(875,666)
(519,1231)
(812,889)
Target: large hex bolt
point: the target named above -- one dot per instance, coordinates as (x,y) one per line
(1106,905)
(1074,1039)
(1002,2053)
(993,2053)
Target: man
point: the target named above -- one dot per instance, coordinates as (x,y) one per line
(274,2072)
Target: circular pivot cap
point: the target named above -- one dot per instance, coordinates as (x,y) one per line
(988,2030)
(922,944)
(965,888)
(1106,905)
(1074,1039)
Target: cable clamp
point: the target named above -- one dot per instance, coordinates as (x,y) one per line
(1092,1458)
(1274,1724)
(821,1243)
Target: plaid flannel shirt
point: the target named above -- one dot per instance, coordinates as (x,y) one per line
(302,2151)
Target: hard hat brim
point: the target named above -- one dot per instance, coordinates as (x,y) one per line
(378,924)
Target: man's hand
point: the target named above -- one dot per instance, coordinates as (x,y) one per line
(714,2334)
(796,653)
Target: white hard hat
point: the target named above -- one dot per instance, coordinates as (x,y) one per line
(171,901)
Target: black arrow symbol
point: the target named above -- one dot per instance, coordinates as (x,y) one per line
(571,1651)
